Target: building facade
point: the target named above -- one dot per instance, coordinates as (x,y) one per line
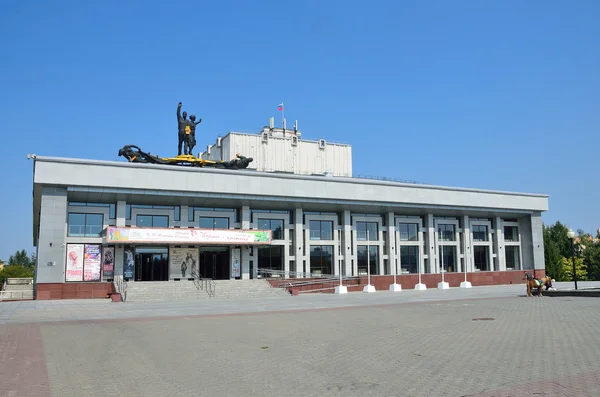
(99,221)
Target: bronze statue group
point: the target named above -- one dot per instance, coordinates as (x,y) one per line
(186,131)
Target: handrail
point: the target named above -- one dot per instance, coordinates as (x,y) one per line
(211,286)
(323,282)
(197,277)
(121,286)
(292,274)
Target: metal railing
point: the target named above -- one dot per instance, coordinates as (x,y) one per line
(308,282)
(121,286)
(203,283)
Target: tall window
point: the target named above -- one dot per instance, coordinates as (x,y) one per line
(513,259)
(274,225)
(446,233)
(367,231)
(409,259)
(367,258)
(321,259)
(84,225)
(481,258)
(214,223)
(321,230)
(270,257)
(152,221)
(447,258)
(511,233)
(480,232)
(408,231)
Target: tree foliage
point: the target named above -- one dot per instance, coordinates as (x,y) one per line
(580,268)
(21,258)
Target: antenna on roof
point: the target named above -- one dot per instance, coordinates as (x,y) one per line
(296,126)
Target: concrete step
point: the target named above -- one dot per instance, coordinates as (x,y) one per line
(187,290)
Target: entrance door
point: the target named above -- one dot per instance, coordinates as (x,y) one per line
(151,264)
(214,263)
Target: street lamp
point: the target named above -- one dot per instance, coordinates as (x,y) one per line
(571,236)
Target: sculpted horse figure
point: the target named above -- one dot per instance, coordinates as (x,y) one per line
(538,283)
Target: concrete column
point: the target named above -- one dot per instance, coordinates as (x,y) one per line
(467,246)
(500,264)
(537,239)
(245,252)
(184,216)
(431,248)
(391,243)
(121,215)
(347,243)
(299,240)
(51,251)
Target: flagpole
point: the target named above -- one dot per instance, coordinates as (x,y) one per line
(282,115)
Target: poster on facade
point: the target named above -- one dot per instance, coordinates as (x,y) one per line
(197,236)
(183,262)
(108,262)
(91,263)
(128,263)
(74,265)
(235,262)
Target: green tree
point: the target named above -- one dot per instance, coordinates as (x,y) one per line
(558,234)
(567,265)
(20,258)
(14,271)
(552,257)
(591,259)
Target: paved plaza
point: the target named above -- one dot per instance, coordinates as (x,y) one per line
(485,341)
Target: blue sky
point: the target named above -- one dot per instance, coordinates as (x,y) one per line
(499,95)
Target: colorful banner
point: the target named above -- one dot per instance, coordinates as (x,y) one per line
(128,263)
(235,262)
(91,263)
(108,262)
(183,236)
(74,265)
(183,262)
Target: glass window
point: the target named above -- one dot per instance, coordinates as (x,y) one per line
(367,231)
(480,232)
(270,257)
(367,257)
(513,259)
(511,233)
(446,232)
(321,230)
(152,221)
(321,259)
(76,224)
(481,258)
(112,211)
(409,259)
(275,225)
(214,223)
(447,258)
(85,225)
(408,231)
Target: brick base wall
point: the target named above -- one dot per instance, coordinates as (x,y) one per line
(46,291)
(382,283)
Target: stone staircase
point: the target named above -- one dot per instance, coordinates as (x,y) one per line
(17,289)
(165,291)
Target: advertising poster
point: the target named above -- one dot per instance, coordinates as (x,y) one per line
(108,262)
(91,263)
(235,262)
(128,263)
(74,265)
(183,262)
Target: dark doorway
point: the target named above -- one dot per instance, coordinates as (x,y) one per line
(214,263)
(151,264)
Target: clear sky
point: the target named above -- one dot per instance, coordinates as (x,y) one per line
(486,94)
